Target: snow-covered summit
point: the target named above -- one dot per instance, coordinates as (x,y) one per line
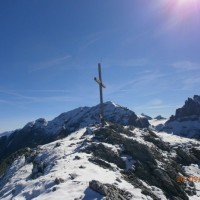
(85,116)
(41,131)
(39,123)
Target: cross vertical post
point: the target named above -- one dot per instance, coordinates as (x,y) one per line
(101,86)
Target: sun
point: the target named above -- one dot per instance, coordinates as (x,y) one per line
(180,13)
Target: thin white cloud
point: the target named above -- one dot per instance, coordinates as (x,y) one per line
(89,43)
(137,62)
(186,65)
(50,63)
(2,101)
(157,107)
(18,98)
(92,39)
(139,82)
(191,83)
(156,102)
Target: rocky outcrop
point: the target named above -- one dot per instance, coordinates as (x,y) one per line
(186,121)
(110,192)
(105,153)
(146,159)
(146,116)
(191,108)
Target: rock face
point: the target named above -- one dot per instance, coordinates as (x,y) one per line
(41,131)
(146,160)
(191,108)
(186,121)
(146,116)
(110,191)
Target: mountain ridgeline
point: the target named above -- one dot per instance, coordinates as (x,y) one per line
(41,131)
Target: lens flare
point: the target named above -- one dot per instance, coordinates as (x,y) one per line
(179,14)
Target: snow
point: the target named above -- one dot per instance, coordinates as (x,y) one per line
(155,122)
(175,139)
(187,127)
(157,191)
(61,163)
(194,170)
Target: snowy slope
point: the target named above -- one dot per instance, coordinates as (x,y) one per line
(188,128)
(33,175)
(61,163)
(156,122)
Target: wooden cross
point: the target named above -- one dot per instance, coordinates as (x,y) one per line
(101,86)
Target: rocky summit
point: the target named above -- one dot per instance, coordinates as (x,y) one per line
(186,121)
(190,109)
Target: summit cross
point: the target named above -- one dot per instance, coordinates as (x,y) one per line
(101,86)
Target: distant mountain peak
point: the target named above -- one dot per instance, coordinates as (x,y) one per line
(159,117)
(186,121)
(113,104)
(190,108)
(41,131)
(146,116)
(39,123)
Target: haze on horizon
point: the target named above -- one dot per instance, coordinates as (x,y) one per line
(149,51)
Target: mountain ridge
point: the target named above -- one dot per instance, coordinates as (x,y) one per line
(41,131)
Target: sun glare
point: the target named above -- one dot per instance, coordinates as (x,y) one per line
(187,2)
(187,7)
(180,13)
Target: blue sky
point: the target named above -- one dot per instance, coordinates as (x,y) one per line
(49,51)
